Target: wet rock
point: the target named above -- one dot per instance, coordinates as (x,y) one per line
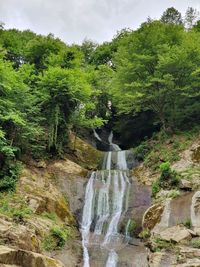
(26,258)
(176,233)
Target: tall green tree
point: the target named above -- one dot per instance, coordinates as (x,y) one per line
(172,15)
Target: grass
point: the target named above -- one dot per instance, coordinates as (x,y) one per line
(52,216)
(195,243)
(160,244)
(14,206)
(174,193)
(187,223)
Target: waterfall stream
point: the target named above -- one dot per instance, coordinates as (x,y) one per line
(106,201)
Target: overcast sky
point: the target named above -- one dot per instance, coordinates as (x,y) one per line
(74,20)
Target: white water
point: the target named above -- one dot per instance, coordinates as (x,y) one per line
(96,135)
(112,259)
(106,200)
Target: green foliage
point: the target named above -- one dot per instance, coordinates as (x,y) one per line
(174,193)
(51,216)
(141,151)
(20,215)
(160,244)
(56,238)
(168,178)
(144,234)
(165,167)
(172,15)
(187,223)
(132,226)
(155,187)
(14,206)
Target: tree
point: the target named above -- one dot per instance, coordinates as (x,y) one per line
(173,16)
(191,17)
(154,68)
(61,92)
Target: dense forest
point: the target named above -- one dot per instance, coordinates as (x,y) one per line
(48,88)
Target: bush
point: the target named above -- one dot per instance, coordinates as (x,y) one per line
(56,238)
(165,167)
(155,187)
(168,178)
(141,151)
(145,234)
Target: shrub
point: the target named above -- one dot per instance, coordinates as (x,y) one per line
(168,178)
(165,167)
(145,234)
(155,187)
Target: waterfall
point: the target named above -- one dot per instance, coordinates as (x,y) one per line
(96,135)
(106,200)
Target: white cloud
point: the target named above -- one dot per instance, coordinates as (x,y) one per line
(73,20)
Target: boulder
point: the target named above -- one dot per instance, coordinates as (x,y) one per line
(25,258)
(152,216)
(176,233)
(159,259)
(186,185)
(189,252)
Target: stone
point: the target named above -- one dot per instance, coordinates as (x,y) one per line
(26,258)
(176,233)
(189,263)
(189,252)
(186,185)
(159,259)
(41,164)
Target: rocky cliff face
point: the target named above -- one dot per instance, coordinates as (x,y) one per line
(173,222)
(44,212)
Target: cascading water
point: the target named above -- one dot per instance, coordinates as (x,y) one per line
(106,200)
